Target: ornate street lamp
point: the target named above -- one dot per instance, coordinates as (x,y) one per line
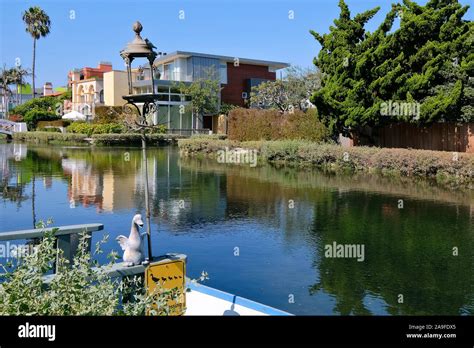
(137,118)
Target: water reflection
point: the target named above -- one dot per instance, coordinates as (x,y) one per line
(280,219)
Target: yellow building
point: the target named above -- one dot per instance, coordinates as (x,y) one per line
(115,86)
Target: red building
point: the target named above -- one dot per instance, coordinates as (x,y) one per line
(236,75)
(241,79)
(88,72)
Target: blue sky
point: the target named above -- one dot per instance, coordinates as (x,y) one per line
(101,28)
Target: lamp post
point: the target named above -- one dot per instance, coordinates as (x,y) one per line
(136,116)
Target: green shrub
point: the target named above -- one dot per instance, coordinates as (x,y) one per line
(50,137)
(90,128)
(55,123)
(255,124)
(46,104)
(304,126)
(49,129)
(438,165)
(32,117)
(78,289)
(133,139)
(108,114)
(159,129)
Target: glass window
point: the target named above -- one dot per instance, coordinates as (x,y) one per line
(223,72)
(186,119)
(163,115)
(174,117)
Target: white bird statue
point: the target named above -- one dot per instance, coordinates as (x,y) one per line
(132,246)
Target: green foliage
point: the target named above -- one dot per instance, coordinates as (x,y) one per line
(253,124)
(7,77)
(49,104)
(227,108)
(76,286)
(50,137)
(33,116)
(49,129)
(288,94)
(90,128)
(157,129)
(108,139)
(427,60)
(55,123)
(133,139)
(37,22)
(108,114)
(438,165)
(204,94)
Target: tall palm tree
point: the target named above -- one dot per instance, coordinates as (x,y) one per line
(37,25)
(19,75)
(6,79)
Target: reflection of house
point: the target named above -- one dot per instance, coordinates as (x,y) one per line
(118,192)
(85,187)
(87,87)
(10,151)
(105,190)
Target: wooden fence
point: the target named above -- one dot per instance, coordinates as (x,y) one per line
(438,137)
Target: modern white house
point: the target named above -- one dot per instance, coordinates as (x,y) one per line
(236,76)
(105,86)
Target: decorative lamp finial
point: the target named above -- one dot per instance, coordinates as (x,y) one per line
(137,27)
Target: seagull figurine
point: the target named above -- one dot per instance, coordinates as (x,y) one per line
(132,246)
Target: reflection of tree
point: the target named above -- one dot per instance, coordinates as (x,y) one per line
(13,192)
(407,252)
(35,164)
(200,192)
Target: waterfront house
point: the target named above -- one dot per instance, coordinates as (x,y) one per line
(236,76)
(87,87)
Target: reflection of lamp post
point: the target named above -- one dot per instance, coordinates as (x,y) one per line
(136,117)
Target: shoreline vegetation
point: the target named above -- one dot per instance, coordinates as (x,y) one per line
(451,169)
(290,179)
(454,170)
(112,139)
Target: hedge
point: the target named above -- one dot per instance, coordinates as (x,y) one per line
(50,137)
(89,129)
(108,114)
(125,139)
(445,167)
(255,124)
(55,123)
(33,116)
(133,139)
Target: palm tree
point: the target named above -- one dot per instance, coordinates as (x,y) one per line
(19,75)
(37,25)
(6,79)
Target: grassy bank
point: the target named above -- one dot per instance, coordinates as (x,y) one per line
(95,139)
(452,169)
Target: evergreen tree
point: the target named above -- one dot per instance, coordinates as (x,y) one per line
(426,62)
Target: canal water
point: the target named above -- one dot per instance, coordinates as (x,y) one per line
(263,233)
